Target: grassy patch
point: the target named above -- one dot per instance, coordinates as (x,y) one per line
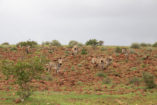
(56,98)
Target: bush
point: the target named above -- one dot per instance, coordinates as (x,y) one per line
(55,43)
(118,50)
(46,43)
(23,73)
(144,45)
(7,68)
(101,74)
(155,44)
(135,46)
(149,45)
(92,42)
(13,48)
(27,43)
(100,43)
(72,43)
(80,44)
(149,80)
(103,48)
(5,43)
(84,51)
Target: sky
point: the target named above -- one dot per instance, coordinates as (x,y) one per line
(116,22)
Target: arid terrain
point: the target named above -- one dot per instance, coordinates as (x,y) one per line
(78,75)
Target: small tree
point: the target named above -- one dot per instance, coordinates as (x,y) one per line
(135,45)
(155,44)
(92,42)
(144,45)
(72,43)
(23,72)
(100,43)
(84,51)
(55,43)
(27,43)
(118,50)
(149,80)
(46,43)
(5,43)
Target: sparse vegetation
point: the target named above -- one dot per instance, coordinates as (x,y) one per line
(100,43)
(55,43)
(155,44)
(27,43)
(149,80)
(101,74)
(145,44)
(13,48)
(92,42)
(135,80)
(46,43)
(118,50)
(133,68)
(135,45)
(78,74)
(72,43)
(84,51)
(23,72)
(5,43)
(103,48)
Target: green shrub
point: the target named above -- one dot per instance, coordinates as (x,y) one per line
(73,43)
(84,51)
(79,83)
(155,44)
(5,43)
(103,48)
(7,68)
(55,43)
(149,45)
(149,80)
(100,43)
(73,68)
(117,54)
(27,43)
(46,43)
(101,74)
(118,50)
(144,45)
(133,68)
(92,42)
(67,53)
(79,65)
(23,72)
(13,48)
(135,45)
(80,44)
(143,65)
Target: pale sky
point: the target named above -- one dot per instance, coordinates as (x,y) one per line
(116,22)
